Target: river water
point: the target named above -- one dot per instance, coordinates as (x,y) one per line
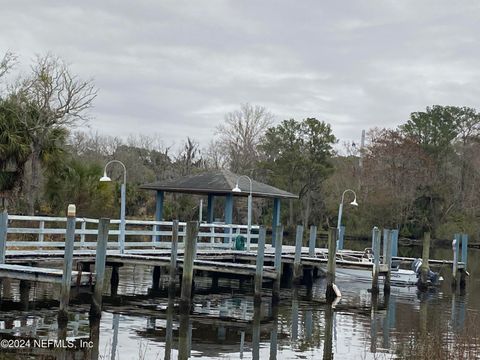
(225,325)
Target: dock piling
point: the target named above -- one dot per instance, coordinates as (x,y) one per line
(67,265)
(312,241)
(172,272)
(3,235)
(297,267)
(464,259)
(388,261)
(100,259)
(157,272)
(455,247)
(423,283)
(277,263)
(114,280)
(259,265)
(188,258)
(330,293)
(376,259)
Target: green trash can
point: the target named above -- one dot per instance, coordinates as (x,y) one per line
(240,242)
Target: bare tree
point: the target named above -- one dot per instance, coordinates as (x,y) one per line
(7,62)
(57,99)
(241,134)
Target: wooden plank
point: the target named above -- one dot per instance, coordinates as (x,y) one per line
(47,275)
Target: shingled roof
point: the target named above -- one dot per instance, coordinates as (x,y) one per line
(219,182)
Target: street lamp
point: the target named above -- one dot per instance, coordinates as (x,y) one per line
(340,208)
(105,178)
(249,216)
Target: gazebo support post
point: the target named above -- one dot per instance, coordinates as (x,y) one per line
(228,216)
(210,207)
(276,219)
(159,210)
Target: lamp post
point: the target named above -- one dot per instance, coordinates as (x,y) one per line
(249,216)
(340,208)
(121,235)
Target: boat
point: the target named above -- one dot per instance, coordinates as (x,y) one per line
(398,276)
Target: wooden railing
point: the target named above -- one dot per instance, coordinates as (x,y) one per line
(49,232)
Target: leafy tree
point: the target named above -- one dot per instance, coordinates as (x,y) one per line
(14,148)
(297,155)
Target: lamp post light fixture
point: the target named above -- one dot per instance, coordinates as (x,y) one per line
(340,208)
(105,178)
(249,216)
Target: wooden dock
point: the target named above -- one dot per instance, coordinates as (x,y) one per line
(196,247)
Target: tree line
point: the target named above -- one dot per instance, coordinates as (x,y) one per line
(422,175)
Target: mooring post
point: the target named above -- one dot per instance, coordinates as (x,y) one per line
(262,233)
(67,265)
(394,234)
(114,280)
(172,272)
(297,265)
(157,272)
(423,283)
(330,293)
(464,259)
(385,240)
(388,262)
(277,263)
(312,241)
(3,235)
(376,259)
(188,258)
(100,259)
(455,247)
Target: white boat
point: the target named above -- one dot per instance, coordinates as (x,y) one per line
(398,277)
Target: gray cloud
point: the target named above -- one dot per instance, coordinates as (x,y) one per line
(175,67)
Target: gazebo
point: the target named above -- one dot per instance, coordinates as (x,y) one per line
(215,184)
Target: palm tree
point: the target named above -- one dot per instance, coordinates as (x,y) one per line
(14,148)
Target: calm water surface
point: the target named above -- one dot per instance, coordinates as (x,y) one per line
(225,325)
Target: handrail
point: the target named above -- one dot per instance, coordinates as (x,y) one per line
(215,234)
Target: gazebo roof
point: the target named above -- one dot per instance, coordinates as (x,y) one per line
(218,182)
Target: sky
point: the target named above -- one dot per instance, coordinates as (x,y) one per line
(174,68)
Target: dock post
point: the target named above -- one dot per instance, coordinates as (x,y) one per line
(100,258)
(259,265)
(455,247)
(172,272)
(277,263)
(376,259)
(297,265)
(3,235)
(67,265)
(464,259)
(188,258)
(312,241)
(423,283)
(330,293)
(114,280)
(388,260)
(394,242)
(157,272)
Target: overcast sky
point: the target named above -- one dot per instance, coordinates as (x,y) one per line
(176,67)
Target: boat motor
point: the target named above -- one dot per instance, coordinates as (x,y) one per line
(433,277)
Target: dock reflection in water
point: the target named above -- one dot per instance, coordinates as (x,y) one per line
(227,324)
